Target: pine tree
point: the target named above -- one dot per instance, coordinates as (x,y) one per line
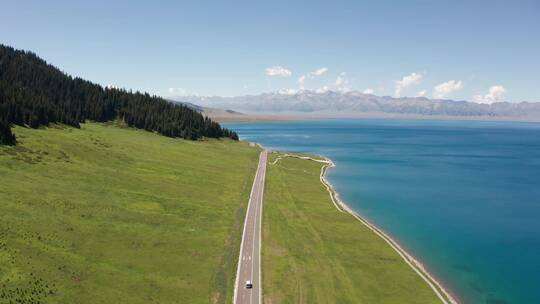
(6,136)
(34,93)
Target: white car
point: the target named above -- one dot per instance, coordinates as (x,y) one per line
(248,284)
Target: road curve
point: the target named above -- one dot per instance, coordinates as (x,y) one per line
(249,267)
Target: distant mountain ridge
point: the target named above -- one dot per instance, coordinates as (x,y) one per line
(354,102)
(205,110)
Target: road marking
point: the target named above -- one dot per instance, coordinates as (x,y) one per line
(260,225)
(250,234)
(257,204)
(236,286)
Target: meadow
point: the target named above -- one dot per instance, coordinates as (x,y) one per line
(312,253)
(106,214)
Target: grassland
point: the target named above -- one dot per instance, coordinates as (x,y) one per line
(104,214)
(312,253)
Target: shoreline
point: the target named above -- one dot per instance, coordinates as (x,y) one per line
(443,293)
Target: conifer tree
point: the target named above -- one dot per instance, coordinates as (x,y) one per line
(6,136)
(34,93)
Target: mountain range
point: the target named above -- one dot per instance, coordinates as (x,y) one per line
(354,103)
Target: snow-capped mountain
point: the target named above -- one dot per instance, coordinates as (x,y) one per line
(355,102)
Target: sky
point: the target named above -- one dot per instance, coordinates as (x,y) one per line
(481,51)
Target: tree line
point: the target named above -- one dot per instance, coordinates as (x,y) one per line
(34,93)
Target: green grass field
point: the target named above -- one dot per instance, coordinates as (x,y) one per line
(105,214)
(312,253)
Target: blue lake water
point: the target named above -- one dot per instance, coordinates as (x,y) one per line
(463,197)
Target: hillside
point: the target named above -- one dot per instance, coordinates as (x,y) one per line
(104,214)
(210,112)
(353,103)
(34,93)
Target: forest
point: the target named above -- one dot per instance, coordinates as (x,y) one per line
(34,93)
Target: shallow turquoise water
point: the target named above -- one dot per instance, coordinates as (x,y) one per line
(464,197)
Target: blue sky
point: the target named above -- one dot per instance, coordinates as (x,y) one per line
(404,48)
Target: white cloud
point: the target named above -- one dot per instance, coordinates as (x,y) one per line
(287,91)
(301,81)
(422,93)
(177,91)
(368,91)
(342,83)
(442,90)
(319,72)
(278,71)
(311,75)
(407,81)
(322,90)
(496,93)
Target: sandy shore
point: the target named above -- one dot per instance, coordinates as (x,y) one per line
(443,293)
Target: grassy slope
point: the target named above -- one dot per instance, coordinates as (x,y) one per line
(111,215)
(312,253)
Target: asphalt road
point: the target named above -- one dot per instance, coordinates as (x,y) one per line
(249,267)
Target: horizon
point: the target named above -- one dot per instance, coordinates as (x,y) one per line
(385,49)
(278,92)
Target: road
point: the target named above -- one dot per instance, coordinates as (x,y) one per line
(249,267)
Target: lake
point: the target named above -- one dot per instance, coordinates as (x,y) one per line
(461,196)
